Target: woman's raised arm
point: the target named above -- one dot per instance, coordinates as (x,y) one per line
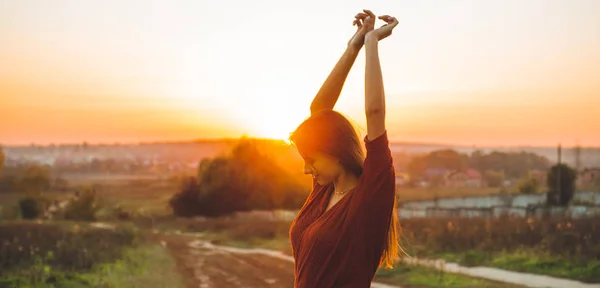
(332,87)
(374,92)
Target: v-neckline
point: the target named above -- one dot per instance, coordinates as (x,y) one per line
(324,209)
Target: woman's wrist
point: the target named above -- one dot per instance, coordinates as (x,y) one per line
(371,41)
(353,48)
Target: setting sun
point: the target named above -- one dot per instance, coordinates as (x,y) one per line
(275,124)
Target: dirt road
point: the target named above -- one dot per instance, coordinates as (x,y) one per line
(208,266)
(204,266)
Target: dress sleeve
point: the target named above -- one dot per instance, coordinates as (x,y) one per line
(378,180)
(374,194)
(372,204)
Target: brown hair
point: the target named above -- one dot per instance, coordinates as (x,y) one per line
(330,133)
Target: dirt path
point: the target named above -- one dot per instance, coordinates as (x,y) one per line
(208,266)
(204,266)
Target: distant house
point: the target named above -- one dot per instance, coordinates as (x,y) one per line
(433,177)
(468,178)
(589,177)
(402,178)
(433,173)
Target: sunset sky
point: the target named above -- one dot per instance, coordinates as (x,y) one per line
(505,72)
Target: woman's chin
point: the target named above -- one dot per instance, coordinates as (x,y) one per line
(322,182)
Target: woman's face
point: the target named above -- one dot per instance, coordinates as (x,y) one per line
(324,168)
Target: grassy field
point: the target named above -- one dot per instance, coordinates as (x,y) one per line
(565,248)
(273,235)
(151,196)
(71,254)
(137,197)
(559,247)
(417,276)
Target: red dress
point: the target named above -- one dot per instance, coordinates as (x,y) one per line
(342,246)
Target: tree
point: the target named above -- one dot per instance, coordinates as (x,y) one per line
(493,178)
(514,164)
(1,158)
(528,185)
(561,189)
(447,159)
(185,203)
(246,179)
(84,207)
(417,166)
(35,180)
(440,159)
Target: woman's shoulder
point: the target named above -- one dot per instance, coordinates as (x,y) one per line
(378,143)
(378,151)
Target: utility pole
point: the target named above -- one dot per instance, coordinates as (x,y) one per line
(558,172)
(578,157)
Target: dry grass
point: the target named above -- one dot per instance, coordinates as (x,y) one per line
(570,238)
(568,248)
(71,246)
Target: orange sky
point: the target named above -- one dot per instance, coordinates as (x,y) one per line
(468,72)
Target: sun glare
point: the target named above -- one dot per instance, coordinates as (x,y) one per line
(274,124)
(278,130)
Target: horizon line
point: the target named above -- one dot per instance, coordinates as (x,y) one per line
(233,139)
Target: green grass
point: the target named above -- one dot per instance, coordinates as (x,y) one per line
(71,254)
(418,276)
(145,266)
(530,261)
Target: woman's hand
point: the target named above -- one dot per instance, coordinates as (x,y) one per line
(358,39)
(381,32)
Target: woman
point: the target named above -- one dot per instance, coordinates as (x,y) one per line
(347,228)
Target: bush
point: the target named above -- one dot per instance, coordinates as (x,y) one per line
(185,202)
(493,178)
(247,179)
(571,238)
(33,207)
(84,207)
(9,212)
(72,247)
(561,195)
(1,158)
(528,186)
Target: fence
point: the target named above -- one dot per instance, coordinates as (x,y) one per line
(498,211)
(584,204)
(586,198)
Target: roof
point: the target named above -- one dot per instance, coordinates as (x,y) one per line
(436,172)
(472,173)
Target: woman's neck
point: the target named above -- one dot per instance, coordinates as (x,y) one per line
(344,183)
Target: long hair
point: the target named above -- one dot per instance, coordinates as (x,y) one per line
(330,133)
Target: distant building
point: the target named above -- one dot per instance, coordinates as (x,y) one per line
(435,173)
(589,177)
(468,178)
(434,177)
(402,178)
